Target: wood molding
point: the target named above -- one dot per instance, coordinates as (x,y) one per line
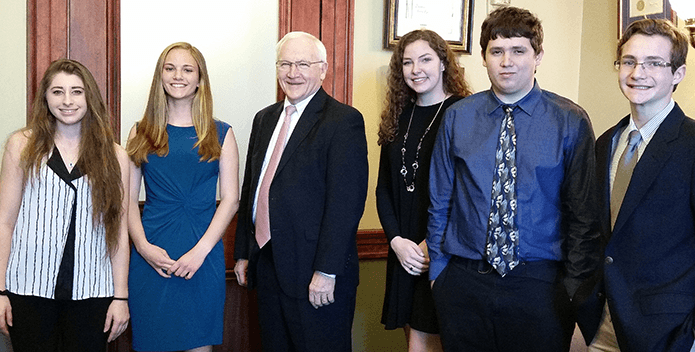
(47,40)
(372,244)
(87,31)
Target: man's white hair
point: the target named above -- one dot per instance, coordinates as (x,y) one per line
(320,48)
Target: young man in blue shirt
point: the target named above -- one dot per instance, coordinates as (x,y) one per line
(512,232)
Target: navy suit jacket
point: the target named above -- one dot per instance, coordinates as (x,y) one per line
(648,271)
(316,198)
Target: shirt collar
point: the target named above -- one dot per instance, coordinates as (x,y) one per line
(525,104)
(301,105)
(649,129)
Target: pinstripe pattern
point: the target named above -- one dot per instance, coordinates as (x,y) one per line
(39,239)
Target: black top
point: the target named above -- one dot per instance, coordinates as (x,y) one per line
(403,213)
(64,282)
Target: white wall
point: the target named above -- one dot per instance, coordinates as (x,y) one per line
(237,39)
(13,54)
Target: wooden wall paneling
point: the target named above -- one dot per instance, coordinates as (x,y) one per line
(345,33)
(88,37)
(306,16)
(372,244)
(241,327)
(87,31)
(113,63)
(94,41)
(47,40)
(336,32)
(327,36)
(332,22)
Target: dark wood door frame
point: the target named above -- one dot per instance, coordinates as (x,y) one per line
(87,31)
(332,21)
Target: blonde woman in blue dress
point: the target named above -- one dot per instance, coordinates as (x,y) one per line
(177,272)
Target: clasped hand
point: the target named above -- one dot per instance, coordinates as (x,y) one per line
(413,257)
(185,267)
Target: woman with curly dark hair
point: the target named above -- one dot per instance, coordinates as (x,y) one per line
(424,79)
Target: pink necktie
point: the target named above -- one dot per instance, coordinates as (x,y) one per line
(262,214)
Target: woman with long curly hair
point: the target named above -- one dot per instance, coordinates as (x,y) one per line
(63,228)
(177,272)
(424,79)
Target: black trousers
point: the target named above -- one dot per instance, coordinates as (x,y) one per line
(49,325)
(479,310)
(293,324)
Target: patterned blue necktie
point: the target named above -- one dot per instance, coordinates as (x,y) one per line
(502,249)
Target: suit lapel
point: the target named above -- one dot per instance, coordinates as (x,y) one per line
(650,164)
(306,122)
(267,127)
(269,123)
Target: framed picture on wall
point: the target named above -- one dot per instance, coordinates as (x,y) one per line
(451,19)
(633,10)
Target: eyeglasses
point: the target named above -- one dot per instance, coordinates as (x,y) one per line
(284,65)
(649,65)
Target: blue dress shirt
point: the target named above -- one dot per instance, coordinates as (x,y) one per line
(556,192)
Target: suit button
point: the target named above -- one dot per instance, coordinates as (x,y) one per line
(609,260)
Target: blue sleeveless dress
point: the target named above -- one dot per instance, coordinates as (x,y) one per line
(177,314)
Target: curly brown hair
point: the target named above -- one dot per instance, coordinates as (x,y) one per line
(97,157)
(399,94)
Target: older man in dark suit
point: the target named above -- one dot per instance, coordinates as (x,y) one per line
(646,169)
(303,195)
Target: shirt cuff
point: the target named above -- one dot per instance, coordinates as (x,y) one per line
(438,265)
(332,276)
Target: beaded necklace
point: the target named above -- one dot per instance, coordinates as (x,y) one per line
(404,171)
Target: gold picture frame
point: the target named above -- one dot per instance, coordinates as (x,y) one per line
(451,19)
(632,10)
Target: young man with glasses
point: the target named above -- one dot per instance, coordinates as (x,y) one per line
(645,300)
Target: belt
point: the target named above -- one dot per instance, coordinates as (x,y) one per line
(481,266)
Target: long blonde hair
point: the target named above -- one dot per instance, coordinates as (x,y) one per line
(97,157)
(151,134)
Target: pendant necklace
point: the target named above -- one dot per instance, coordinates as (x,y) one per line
(404,171)
(69,162)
